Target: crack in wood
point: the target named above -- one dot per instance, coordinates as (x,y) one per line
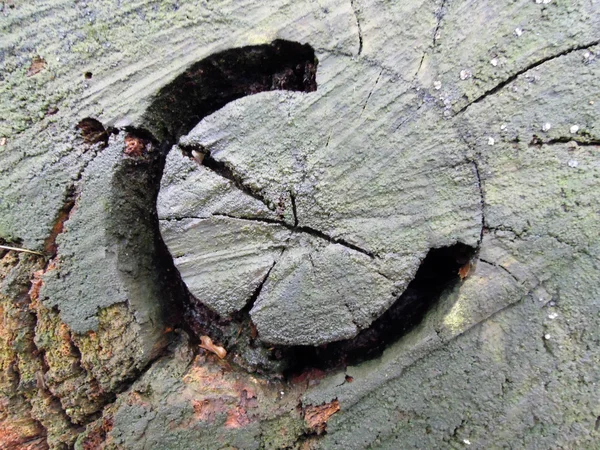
(370,93)
(581,142)
(440,15)
(358,25)
(294,228)
(520,72)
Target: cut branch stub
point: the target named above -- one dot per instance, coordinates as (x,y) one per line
(300,210)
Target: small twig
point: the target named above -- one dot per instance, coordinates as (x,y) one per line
(17,249)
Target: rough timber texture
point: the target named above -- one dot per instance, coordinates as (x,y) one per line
(367,189)
(433,123)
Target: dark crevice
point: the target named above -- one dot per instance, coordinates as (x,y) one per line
(294,208)
(475,162)
(224,170)
(502,268)
(420,64)
(408,117)
(311,231)
(358,25)
(211,83)
(371,92)
(319,234)
(50,247)
(481,199)
(437,273)
(579,140)
(513,77)
(258,290)
(96,136)
(265,220)
(439,15)
(93,131)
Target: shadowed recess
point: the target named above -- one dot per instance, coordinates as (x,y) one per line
(210,84)
(438,272)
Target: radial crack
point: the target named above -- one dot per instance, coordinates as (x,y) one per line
(481,199)
(536,141)
(317,233)
(360,35)
(258,290)
(533,65)
(225,171)
(294,209)
(370,93)
(420,64)
(440,15)
(500,266)
(296,229)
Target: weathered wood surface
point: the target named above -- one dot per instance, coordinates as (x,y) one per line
(434,124)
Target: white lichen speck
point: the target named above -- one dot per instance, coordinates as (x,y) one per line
(465,74)
(518,31)
(546,126)
(491,141)
(573,163)
(574,129)
(494,62)
(437,85)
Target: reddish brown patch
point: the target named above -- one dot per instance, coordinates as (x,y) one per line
(248,399)
(237,418)
(135,146)
(17,438)
(316,417)
(97,432)
(464,271)
(207,409)
(37,283)
(59,226)
(311,376)
(37,65)
(218,393)
(253,330)
(135,398)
